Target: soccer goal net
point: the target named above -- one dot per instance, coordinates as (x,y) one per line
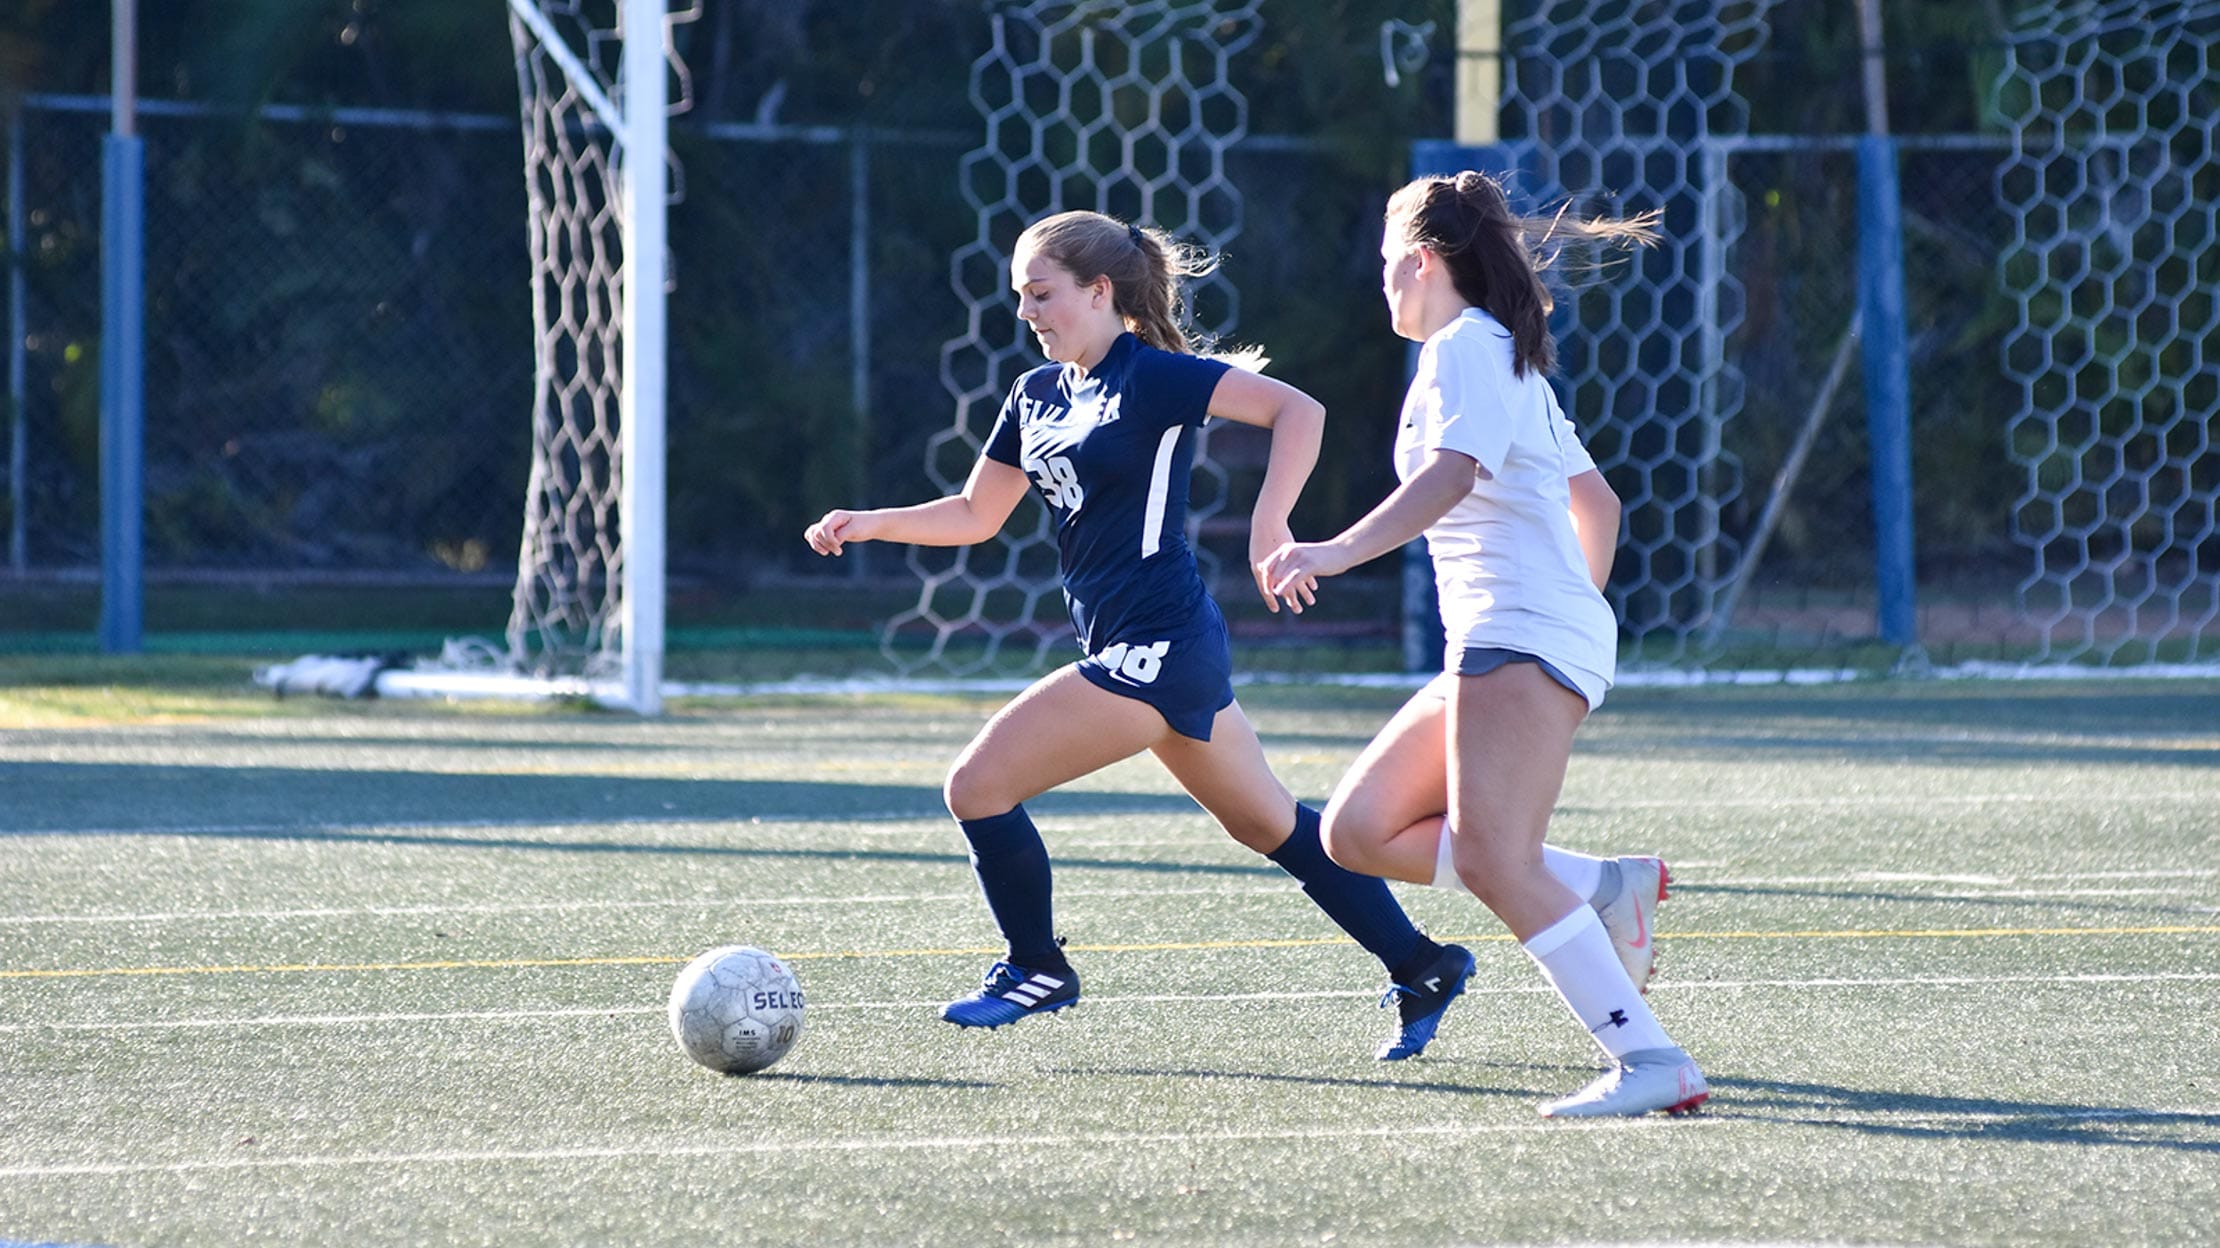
(586,619)
(1121,108)
(2111,184)
(595,81)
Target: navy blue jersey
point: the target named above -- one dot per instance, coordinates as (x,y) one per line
(1110,450)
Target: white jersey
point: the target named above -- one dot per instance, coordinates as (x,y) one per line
(1507,563)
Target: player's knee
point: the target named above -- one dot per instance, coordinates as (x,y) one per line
(1492,872)
(972,792)
(1349,836)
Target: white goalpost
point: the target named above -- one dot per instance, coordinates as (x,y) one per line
(586,617)
(595,104)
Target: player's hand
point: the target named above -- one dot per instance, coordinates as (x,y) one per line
(830,534)
(1298,566)
(1266,536)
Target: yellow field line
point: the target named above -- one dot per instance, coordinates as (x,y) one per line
(334,968)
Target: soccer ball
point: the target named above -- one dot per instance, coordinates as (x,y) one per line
(736,1009)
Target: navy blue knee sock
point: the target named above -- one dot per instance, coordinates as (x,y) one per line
(1012,865)
(1360,904)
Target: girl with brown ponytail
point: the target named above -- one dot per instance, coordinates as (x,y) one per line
(1458,788)
(1105,432)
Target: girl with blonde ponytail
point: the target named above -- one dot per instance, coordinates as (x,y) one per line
(1105,431)
(1458,788)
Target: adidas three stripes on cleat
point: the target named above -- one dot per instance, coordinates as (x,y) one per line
(1011,993)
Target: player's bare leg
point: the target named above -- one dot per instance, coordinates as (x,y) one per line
(1060,729)
(1229,776)
(1388,818)
(1511,733)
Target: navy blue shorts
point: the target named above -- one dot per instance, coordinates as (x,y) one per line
(1480,660)
(1187,676)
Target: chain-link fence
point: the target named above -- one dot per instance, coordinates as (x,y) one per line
(1810,589)
(340,372)
(332,374)
(339,344)
(340,360)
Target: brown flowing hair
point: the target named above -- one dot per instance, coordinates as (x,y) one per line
(1496,257)
(1147,269)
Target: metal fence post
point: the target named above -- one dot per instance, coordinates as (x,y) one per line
(859,306)
(123,360)
(1881,308)
(19,509)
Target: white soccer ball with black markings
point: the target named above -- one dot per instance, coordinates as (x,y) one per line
(736,1009)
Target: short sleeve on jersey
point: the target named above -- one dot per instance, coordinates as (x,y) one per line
(1176,388)
(1002,440)
(1461,404)
(1577,458)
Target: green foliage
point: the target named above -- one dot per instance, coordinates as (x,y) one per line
(305,333)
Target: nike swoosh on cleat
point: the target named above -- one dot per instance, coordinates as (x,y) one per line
(1641,931)
(1434,984)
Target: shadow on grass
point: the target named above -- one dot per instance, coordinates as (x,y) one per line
(157,798)
(444,811)
(866,1081)
(1881,1113)
(1383,1082)
(1898,1114)
(1953,724)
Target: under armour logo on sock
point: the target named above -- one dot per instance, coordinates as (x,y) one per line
(1618,1019)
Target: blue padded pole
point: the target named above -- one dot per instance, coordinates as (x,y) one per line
(122,393)
(1888,390)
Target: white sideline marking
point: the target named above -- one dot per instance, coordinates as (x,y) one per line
(480,825)
(848,819)
(893,1144)
(862,1145)
(627,1010)
(1273,888)
(1997,881)
(1628,678)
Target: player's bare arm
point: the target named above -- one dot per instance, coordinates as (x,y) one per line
(1439,483)
(964,519)
(1595,514)
(1298,425)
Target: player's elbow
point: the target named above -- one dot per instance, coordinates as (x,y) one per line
(976,529)
(1300,412)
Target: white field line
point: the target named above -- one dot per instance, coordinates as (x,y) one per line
(865,1145)
(1976,887)
(1971,881)
(848,819)
(672,903)
(635,1009)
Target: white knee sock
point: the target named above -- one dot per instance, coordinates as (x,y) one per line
(1575,954)
(1578,872)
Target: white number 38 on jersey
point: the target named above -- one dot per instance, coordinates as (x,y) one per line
(1058,480)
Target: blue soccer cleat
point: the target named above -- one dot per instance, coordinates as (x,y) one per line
(1421,1004)
(1011,993)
